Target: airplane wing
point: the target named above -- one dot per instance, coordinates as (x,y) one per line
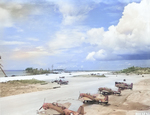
(105,91)
(67,104)
(49,112)
(86,99)
(100,96)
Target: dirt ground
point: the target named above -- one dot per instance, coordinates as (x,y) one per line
(8,89)
(131,102)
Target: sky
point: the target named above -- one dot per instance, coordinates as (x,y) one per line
(74,34)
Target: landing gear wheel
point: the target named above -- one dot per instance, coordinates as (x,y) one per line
(99,102)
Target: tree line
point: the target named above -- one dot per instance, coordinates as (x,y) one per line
(37,71)
(136,70)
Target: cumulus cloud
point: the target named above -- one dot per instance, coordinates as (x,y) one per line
(104,1)
(33,39)
(90,56)
(113,1)
(102,55)
(29,53)
(94,35)
(72,11)
(10,12)
(129,37)
(5,18)
(66,39)
(127,40)
(12,43)
(128,1)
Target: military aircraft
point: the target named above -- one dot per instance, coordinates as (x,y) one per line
(86,97)
(123,85)
(108,91)
(59,109)
(61,81)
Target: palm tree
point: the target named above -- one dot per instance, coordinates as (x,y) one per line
(2,69)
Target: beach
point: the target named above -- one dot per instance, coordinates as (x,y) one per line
(131,102)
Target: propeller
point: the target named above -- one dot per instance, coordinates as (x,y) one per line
(79,95)
(42,105)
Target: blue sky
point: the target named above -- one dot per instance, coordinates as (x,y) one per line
(75,35)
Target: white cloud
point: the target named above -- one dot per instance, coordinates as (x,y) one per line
(66,39)
(12,43)
(102,55)
(130,36)
(33,39)
(90,56)
(5,18)
(95,35)
(128,1)
(10,12)
(72,11)
(29,53)
(16,49)
(113,1)
(104,1)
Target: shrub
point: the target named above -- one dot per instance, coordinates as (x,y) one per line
(29,81)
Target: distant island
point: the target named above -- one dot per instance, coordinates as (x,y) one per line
(129,70)
(135,70)
(37,71)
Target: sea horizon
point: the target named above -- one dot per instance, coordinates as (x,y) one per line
(10,73)
(13,73)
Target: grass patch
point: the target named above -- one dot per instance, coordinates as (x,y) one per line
(29,81)
(136,70)
(90,75)
(101,75)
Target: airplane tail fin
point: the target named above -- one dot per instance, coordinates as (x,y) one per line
(119,90)
(81,110)
(40,108)
(80,95)
(42,105)
(131,85)
(106,98)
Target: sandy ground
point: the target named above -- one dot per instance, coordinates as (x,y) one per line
(7,89)
(131,102)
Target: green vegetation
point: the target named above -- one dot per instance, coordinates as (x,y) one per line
(136,70)
(29,81)
(36,71)
(101,75)
(91,75)
(130,69)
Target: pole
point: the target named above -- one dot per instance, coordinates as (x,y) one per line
(3,72)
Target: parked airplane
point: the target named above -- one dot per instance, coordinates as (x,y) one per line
(108,91)
(123,85)
(59,109)
(85,97)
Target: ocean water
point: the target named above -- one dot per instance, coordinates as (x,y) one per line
(9,73)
